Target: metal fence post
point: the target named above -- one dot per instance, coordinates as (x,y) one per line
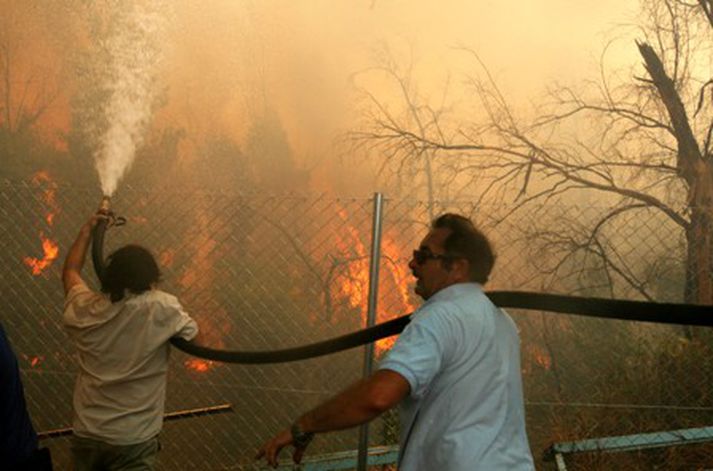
(371,315)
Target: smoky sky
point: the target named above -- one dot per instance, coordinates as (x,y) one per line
(226,62)
(229,59)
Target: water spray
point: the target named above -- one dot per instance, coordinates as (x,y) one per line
(133,50)
(121,67)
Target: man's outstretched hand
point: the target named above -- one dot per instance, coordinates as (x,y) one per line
(271,449)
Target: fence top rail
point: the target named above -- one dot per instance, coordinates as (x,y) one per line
(632,442)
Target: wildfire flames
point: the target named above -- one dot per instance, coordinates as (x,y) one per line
(199,366)
(51,251)
(541,357)
(353,282)
(198,281)
(349,284)
(50,248)
(34,361)
(400,276)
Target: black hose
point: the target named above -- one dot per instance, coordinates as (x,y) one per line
(98,247)
(617,309)
(337,344)
(642,311)
(666,313)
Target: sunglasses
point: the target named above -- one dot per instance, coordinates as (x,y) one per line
(421,256)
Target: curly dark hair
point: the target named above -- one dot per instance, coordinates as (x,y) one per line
(466,241)
(131,268)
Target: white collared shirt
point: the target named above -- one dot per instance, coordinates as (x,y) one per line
(122,351)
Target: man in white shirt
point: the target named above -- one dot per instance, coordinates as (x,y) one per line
(122,339)
(455,370)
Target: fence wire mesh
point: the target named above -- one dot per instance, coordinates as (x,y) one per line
(266,272)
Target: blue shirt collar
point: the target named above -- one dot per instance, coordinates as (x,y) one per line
(454,291)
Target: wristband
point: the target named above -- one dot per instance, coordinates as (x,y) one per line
(300,438)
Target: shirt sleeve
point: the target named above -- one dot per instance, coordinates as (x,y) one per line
(183,325)
(419,353)
(80,304)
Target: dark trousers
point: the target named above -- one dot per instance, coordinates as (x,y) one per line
(95,455)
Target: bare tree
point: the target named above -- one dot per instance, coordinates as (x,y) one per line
(26,90)
(24,99)
(34,38)
(640,143)
(414,162)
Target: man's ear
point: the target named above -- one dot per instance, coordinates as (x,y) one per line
(460,269)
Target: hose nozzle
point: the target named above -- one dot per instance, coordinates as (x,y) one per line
(105,205)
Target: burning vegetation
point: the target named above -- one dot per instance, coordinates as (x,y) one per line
(50,249)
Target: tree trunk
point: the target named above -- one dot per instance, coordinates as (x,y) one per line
(697,171)
(699,262)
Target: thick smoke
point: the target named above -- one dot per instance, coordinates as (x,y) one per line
(131,50)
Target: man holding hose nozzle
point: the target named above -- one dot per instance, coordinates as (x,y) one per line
(122,339)
(455,370)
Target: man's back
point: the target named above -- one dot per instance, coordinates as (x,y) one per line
(123,358)
(461,356)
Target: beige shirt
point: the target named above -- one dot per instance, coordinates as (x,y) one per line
(123,355)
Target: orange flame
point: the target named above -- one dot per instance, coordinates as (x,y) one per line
(43,178)
(353,282)
(199,366)
(51,251)
(35,361)
(49,247)
(397,270)
(197,281)
(167,257)
(539,356)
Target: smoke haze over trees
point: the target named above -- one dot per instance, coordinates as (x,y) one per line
(637,141)
(226,64)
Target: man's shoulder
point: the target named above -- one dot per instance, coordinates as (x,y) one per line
(456,298)
(78,289)
(84,307)
(459,307)
(83,298)
(436,316)
(157,301)
(156,296)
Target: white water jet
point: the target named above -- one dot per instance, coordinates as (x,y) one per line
(132,45)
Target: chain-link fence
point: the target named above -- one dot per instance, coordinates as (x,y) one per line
(266,272)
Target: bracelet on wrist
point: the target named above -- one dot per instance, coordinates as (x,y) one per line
(300,438)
